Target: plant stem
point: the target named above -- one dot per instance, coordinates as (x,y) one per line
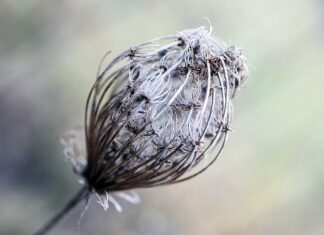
(82,193)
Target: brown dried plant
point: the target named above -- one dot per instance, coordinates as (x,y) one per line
(158,114)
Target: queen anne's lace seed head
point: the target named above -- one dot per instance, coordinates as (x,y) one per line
(160,108)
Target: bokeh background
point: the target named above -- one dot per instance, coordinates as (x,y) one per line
(268,180)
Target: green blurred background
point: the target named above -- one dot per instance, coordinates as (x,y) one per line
(268,180)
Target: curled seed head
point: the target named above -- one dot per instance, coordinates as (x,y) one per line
(158,109)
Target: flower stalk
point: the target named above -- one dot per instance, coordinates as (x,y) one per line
(77,198)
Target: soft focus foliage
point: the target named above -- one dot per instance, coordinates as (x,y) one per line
(268,180)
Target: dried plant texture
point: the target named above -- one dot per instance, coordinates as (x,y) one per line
(160,108)
(158,114)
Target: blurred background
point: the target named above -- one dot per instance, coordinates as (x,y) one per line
(268,180)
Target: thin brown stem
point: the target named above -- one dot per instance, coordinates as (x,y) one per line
(82,193)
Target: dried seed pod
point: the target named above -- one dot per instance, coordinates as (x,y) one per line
(153,115)
(158,108)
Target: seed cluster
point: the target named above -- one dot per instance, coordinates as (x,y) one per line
(158,108)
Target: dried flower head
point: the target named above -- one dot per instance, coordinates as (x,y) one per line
(158,108)
(156,112)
